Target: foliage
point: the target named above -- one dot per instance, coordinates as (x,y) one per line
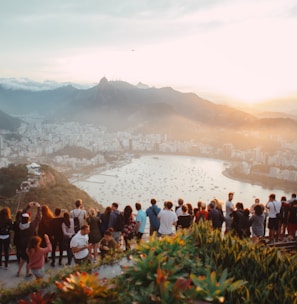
(11,178)
(268,272)
(192,266)
(84,288)
(55,190)
(39,298)
(166,271)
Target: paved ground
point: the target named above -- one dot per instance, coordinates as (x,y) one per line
(8,278)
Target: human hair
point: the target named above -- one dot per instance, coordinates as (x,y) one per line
(58,211)
(137,206)
(5,214)
(92,212)
(184,208)
(108,232)
(169,205)
(107,210)
(272,196)
(153,201)
(190,207)
(66,219)
(46,213)
(78,203)
(34,242)
(115,205)
(84,227)
(180,201)
(283,199)
(239,205)
(127,214)
(258,209)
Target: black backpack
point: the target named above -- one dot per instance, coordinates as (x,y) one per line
(76,222)
(119,225)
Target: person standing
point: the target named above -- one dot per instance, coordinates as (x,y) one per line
(274,207)
(27,230)
(80,246)
(45,225)
(168,219)
(36,255)
(178,209)
(79,212)
(229,210)
(57,236)
(152,213)
(68,233)
(113,219)
(215,216)
(95,236)
(185,219)
(257,221)
(16,235)
(140,222)
(129,226)
(5,227)
(104,217)
(292,221)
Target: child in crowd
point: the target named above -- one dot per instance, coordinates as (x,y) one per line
(37,254)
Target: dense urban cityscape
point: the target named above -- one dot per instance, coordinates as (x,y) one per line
(42,142)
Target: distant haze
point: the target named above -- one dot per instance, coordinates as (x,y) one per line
(224,51)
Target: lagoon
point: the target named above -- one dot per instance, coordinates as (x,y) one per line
(168,177)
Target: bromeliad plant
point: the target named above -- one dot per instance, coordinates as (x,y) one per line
(84,288)
(168,271)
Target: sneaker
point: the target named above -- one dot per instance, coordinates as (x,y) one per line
(28,275)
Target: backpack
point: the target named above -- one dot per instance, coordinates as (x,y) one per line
(201,216)
(119,225)
(76,223)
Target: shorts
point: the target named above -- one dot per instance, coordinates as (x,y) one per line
(38,273)
(273,223)
(83,260)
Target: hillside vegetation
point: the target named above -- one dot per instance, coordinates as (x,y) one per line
(54,189)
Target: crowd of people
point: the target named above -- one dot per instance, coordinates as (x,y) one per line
(84,235)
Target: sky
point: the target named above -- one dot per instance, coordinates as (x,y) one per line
(223,50)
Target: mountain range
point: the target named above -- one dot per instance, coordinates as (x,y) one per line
(119,105)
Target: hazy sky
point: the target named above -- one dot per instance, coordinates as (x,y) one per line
(221,49)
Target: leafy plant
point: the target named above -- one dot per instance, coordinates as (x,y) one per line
(84,288)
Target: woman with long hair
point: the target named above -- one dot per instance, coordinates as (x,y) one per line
(37,255)
(45,225)
(129,226)
(95,235)
(5,227)
(68,233)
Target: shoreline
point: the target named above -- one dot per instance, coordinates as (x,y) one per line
(262,181)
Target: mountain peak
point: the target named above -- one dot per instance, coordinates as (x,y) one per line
(103,82)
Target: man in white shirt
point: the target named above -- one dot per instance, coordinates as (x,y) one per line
(168,219)
(80,246)
(229,209)
(274,208)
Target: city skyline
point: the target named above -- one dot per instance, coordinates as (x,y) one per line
(221,50)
